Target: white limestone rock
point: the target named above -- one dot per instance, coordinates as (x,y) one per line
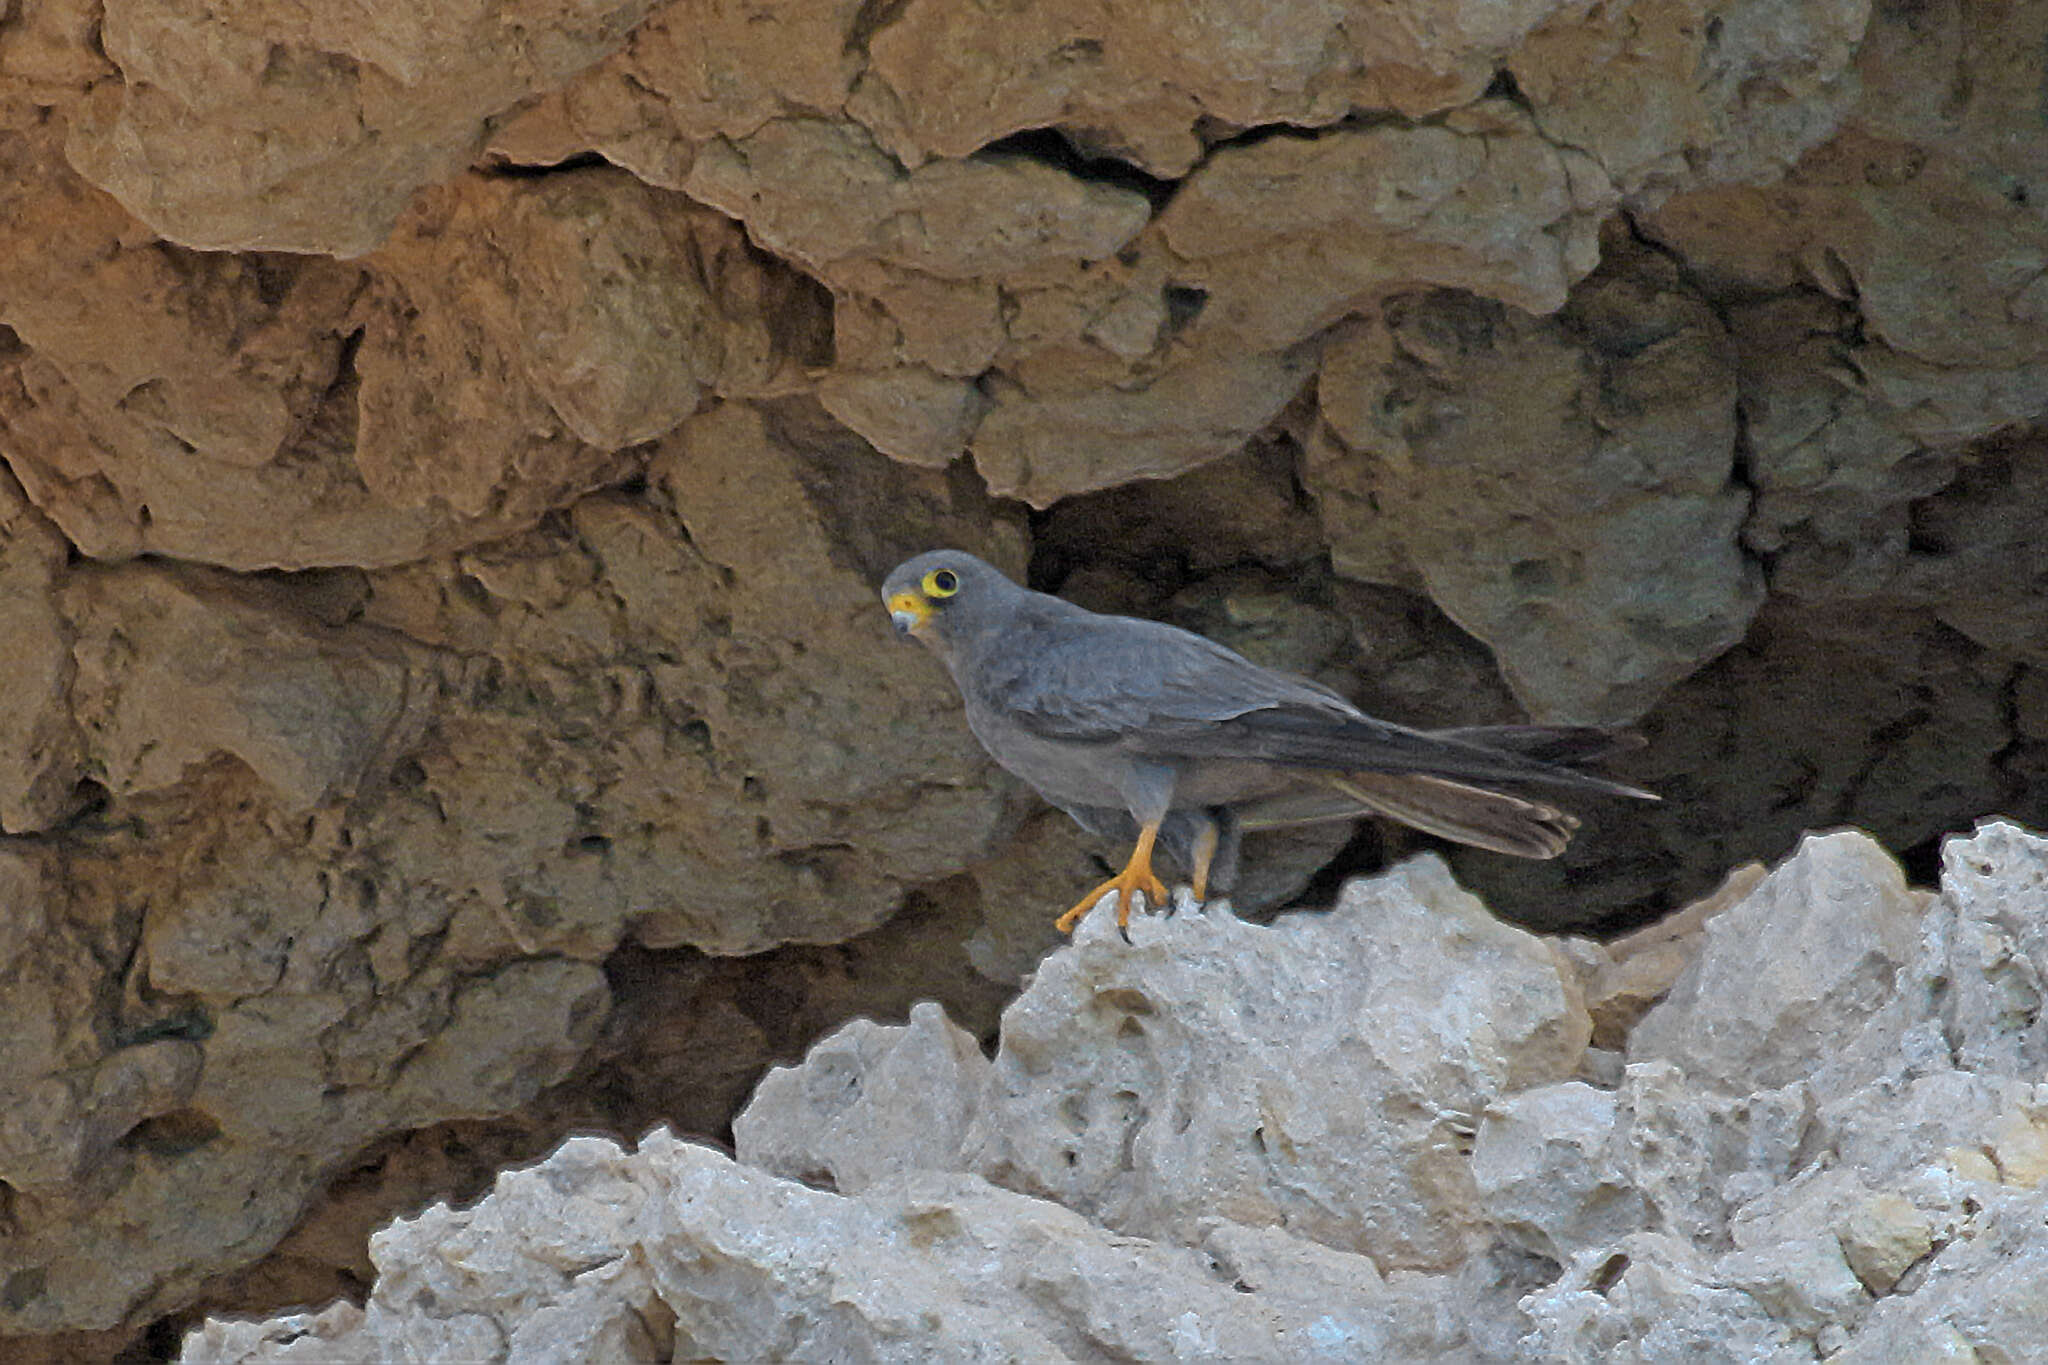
(1228,1142)
(1650,1297)
(1984,1296)
(869,1102)
(1996,887)
(1886,1203)
(1549,1173)
(677,1252)
(1789,972)
(1322,1075)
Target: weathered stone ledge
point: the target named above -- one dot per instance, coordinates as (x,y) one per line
(1398,1129)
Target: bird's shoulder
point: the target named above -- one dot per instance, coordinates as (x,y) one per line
(1061,670)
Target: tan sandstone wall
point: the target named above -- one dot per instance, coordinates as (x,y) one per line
(451,449)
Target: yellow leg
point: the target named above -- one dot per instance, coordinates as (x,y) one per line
(1205,853)
(1136,876)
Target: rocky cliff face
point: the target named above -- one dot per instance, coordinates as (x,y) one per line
(1376,1133)
(450,452)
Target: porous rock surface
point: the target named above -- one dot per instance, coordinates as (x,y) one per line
(1375,1133)
(449,451)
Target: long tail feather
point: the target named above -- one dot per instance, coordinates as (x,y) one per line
(1293,739)
(1569,745)
(1468,815)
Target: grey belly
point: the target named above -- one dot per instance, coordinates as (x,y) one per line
(1065,774)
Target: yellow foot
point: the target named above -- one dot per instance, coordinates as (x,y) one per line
(1205,855)
(1136,876)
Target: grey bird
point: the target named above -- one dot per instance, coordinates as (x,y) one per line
(1138,727)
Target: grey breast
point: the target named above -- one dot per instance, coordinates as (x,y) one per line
(1064,772)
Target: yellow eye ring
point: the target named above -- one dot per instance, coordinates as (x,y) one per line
(941,583)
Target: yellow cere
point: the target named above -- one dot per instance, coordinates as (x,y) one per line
(910,602)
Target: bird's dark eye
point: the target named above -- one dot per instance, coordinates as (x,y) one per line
(941,583)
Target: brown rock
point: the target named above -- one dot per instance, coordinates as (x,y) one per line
(49,52)
(699,681)
(531,330)
(689,73)
(328,951)
(907,412)
(166,397)
(40,749)
(823,193)
(231,1070)
(1480,202)
(1044,448)
(1982,547)
(1673,96)
(1450,418)
(1916,214)
(312,712)
(1884,713)
(49,1139)
(512,342)
(944,80)
(352,110)
(1835,468)
(1412,662)
(955,327)
(1015,894)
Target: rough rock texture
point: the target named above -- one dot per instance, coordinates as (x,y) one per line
(450,449)
(1232,1142)
(1129,1075)
(1432,410)
(671,1252)
(326,120)
(1874,1188)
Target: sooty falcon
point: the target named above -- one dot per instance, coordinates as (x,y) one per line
(1132,725)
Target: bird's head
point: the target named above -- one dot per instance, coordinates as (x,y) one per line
(939,595)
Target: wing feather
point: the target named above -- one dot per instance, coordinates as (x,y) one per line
(1159,692)
(1073,675)
(1289,738)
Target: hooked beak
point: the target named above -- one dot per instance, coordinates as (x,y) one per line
(908,612)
